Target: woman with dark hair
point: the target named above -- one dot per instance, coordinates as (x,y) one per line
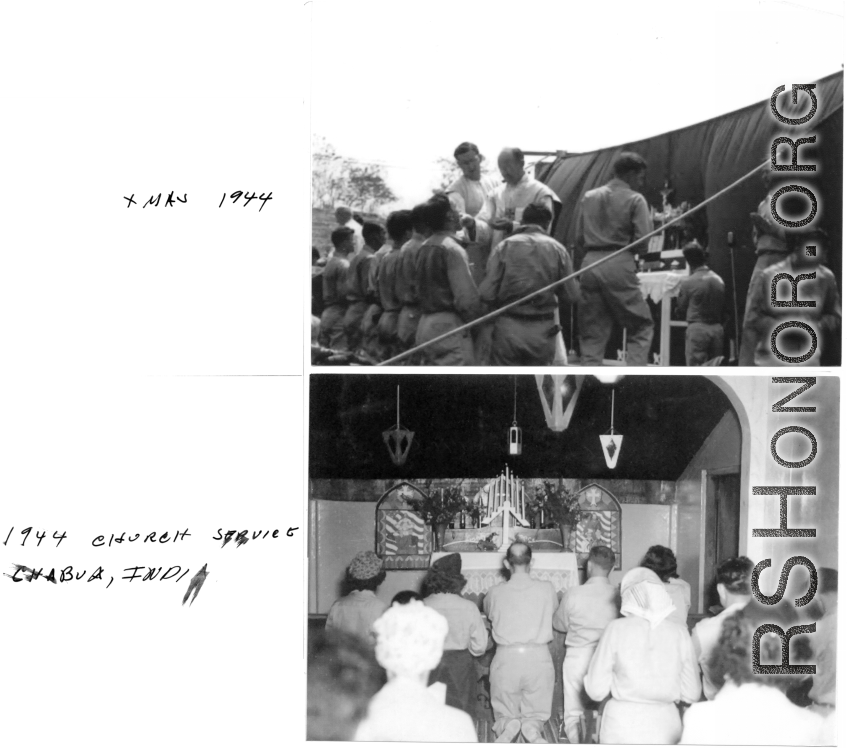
(357,611)
(750,708)
(467,636)
(342,675)
(662,561)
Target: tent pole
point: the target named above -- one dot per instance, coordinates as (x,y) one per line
(731,242)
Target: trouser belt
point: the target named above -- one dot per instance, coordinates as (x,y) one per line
(543,317)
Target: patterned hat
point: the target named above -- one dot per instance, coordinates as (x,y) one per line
(450,564)
(365,565)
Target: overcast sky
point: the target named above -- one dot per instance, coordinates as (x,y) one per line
(402,83)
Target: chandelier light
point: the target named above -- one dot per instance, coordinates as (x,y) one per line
(559,394)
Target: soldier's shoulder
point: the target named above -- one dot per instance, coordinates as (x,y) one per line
(451,245)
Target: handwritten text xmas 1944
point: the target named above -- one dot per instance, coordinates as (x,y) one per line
(171,200)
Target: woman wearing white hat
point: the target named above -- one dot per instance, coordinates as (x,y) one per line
(647,664)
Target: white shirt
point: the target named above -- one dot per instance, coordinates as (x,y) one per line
(468,195)
(358,241)
(508,202)
(639,663)
(404,711)
(752,714)
(585,611)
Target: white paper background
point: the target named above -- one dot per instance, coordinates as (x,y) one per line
(119,329)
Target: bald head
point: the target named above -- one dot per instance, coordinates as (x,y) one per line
(511,164)
(519,556)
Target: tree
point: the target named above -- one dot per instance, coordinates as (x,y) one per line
(327,173)
(336,179)
(365,188)
(450,172)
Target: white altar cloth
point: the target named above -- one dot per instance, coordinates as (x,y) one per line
(484,569)
(661,283)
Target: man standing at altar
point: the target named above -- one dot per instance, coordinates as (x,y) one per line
(584,613)
(500,216)
(610,218)
(502,210)
(522,676)
(468,194)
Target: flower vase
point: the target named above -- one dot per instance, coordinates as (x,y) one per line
(438,535)
(565,530)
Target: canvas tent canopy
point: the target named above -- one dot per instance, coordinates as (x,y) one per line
(698,161)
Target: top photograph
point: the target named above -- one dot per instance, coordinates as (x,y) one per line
(450,228)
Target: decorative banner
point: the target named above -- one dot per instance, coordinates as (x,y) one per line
(600,523)
(403,541)
(611,448)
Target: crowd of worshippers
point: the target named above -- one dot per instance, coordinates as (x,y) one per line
(410,671)
(484,245)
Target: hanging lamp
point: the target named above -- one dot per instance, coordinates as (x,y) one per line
(559,394)
(611,442)
(397,439)
(515,433)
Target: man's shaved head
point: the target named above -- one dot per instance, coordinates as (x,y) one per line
(511,164)
(519,554)
(516,154)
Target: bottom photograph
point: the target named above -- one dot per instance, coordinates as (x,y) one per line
(562,558)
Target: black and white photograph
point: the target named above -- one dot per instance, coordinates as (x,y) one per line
(572,558)
(583,185)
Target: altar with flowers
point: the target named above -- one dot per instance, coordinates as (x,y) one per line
(414,528)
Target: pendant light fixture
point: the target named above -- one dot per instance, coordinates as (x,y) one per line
(611,442)
(515,434)
(397,439)
(559,394)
